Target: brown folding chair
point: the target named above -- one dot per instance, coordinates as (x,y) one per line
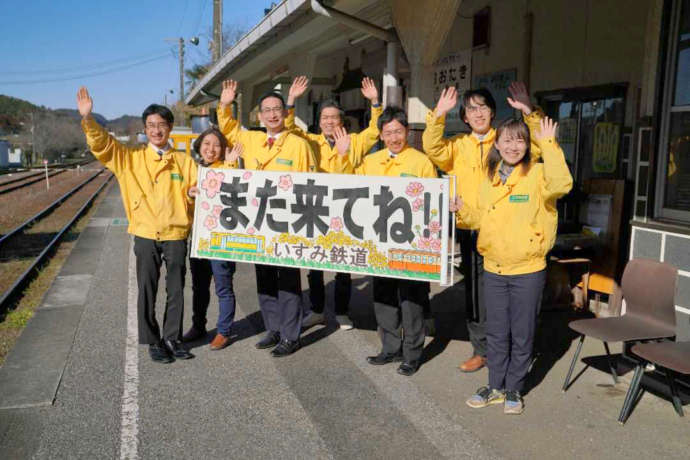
(648,288)
(674,357)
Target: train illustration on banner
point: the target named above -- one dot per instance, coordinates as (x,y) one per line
(237,242)
(414,261)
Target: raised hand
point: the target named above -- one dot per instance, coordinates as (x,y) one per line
(446,102)
(231,156)
(547,129)
(84,102)
(227,96)
(455,204)
(297,89)
(342,140)
(369,90)
(519,97)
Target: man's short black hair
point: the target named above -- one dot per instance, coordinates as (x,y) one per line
(163,111)
(392,113)
(331,103)
(272,94)
(481,93)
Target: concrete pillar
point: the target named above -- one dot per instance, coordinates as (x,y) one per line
(422,33)
(651,57)
(391,91)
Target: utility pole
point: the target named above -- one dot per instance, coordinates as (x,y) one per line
(217,29)
(181,53)
(33,141)
(180,42)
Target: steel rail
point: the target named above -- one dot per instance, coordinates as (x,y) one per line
(16,187)
(39,173)
(10,294)
(48,209)
(19,179)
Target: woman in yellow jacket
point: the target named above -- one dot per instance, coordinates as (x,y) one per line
(517,219)
(211,147)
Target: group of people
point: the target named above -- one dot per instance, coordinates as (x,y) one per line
(508,181)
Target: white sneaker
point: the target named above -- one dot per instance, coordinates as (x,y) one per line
(313,319)
(345,322)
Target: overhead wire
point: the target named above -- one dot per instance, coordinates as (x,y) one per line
(87,75)
(90,66)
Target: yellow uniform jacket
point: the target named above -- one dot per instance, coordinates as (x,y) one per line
(153,187)
(327,157)
(464,155)
(517,220)
(408,163)
(289,152)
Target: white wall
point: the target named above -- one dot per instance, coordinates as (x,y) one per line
(574,44)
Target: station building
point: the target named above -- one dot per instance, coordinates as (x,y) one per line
(615,74)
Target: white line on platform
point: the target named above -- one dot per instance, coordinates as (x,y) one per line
(129,428)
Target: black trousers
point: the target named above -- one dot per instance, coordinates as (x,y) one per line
(475,310)
(399,303)
(317,292)
(512,307)
(280,299)
(201,290)
(150,256)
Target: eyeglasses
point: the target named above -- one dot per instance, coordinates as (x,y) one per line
(477,108)
(268,110)
(393,132)
(330,117)
(161,126)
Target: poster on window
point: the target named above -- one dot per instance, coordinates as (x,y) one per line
(453,70)
(382,226)
(605,151)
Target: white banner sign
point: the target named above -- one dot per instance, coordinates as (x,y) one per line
(382,226)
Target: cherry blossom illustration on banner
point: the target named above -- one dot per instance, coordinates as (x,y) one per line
(211,184)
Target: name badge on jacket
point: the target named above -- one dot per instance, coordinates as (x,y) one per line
(519,198)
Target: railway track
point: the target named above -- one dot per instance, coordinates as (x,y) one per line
(19,182)
(24,181)
(27,175)
(23,253)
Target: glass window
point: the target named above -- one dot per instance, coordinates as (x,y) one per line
(590,124)
(674,171)
(677,190)
(682,73)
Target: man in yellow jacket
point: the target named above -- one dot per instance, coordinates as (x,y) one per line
(154,183)
(331,118)
(279,290)
(397,302)
(464,156)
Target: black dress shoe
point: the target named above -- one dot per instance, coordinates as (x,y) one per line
(383,358)
(194,333)
(269,341)
(176,349)
(159,354)
(408,368)
(285,347)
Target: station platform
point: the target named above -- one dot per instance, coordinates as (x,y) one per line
(77,384)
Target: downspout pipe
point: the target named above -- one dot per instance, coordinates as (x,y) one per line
(353,22)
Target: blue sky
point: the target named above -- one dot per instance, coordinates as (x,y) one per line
(50,39)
